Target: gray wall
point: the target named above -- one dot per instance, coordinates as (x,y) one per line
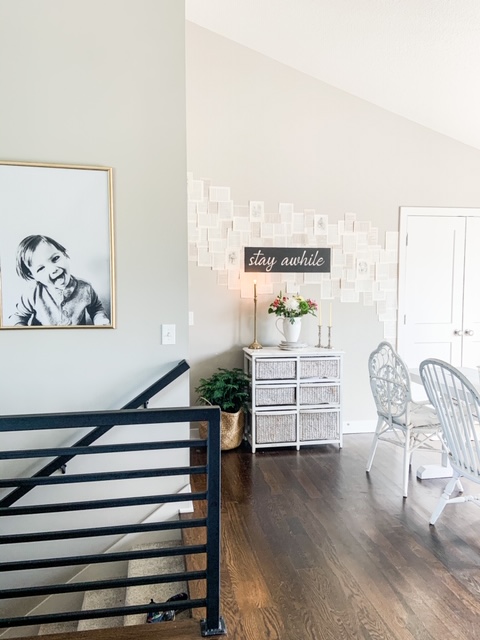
(276,135)
(103,83)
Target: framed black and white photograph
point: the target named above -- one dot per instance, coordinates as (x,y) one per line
(56,246)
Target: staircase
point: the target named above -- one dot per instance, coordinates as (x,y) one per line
(69,539)
(133,595)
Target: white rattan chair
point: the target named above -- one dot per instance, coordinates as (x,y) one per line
(401,421)
(458,408)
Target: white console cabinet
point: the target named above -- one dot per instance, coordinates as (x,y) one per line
(296,397)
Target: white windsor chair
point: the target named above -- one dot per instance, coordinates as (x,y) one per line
(457,404)
(401,421)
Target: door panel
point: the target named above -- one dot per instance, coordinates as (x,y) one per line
(433,290)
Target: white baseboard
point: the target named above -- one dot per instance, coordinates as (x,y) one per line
(187,507)
(352,426)
(359,426)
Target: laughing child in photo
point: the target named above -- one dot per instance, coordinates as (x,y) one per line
(57,298)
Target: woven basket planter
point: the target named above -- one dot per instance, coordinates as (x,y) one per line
(231,429)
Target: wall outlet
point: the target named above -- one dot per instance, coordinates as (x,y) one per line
(168,334)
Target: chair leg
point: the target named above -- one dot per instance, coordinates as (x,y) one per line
(447,492)
(406,465)
(373,447)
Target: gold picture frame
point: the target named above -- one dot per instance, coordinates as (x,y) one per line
(56,246)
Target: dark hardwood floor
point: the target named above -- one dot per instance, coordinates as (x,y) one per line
(313,548)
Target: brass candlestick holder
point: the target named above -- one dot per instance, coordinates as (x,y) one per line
(255,344)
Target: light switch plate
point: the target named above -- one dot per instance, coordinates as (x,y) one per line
(168,334)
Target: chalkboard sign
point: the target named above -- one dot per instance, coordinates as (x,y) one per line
(287,259)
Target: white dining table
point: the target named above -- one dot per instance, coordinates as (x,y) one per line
(471,373)
(444,470)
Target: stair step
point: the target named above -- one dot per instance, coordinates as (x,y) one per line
(142,594)
(102,599)
(57,627)
(196,561)
(134,595)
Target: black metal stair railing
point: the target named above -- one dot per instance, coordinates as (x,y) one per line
(158,419)
(96,433)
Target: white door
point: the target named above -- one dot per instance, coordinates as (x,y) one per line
(439,307)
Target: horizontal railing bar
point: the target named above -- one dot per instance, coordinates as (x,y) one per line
(69,534)
(102,476)
(201,413)
(101,504)
(114,418)
(100,558)
(100,613)
(95,585)
(20,454)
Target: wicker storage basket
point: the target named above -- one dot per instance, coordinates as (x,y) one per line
(320,368)
(276,427)
(265,396)
(231,429)
(320,394)
(276,369)
(319,425)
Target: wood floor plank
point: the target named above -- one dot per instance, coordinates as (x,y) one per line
(241,563)
(197,561)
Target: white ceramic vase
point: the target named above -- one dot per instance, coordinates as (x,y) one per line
(290,328)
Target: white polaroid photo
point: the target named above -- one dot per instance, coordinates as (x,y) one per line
(257,208)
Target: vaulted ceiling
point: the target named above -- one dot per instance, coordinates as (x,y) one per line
(417,58)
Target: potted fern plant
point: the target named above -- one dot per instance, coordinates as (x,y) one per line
(230,390)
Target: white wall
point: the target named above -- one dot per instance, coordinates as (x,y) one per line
(273,134)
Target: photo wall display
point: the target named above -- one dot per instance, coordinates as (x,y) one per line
(362,270)
(56,246)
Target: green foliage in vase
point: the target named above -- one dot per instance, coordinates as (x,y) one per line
(293,307)
(227,388)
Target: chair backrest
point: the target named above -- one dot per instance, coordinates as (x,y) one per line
(389,381)
(458,407)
